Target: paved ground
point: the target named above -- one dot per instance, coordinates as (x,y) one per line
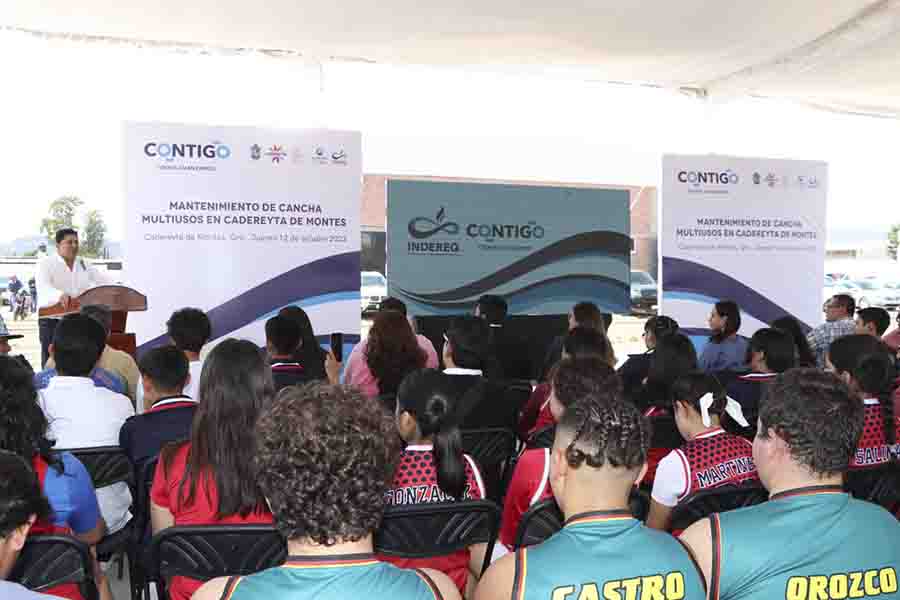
(30,345)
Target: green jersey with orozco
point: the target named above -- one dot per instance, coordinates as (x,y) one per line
(814,543)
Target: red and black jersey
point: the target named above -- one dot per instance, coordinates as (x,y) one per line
(873,450)
(415,482)
(716,458)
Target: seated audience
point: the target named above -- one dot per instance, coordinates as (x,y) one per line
(572,379)
(168,412)
(803,354)
(391,351)
(511,351)
(892,339)
(63,479)
(583,314)
(726,350)
(872,321)
(839,311)
(674,357)
(210,479)
(432,467)
(636,368)
(323,462)
(810,540)
(309,354)
(771,352)
(114,361)
(282,341)
(481,402)
(21,504)
(599,453)
(580,342)
(710,457)
(190,329)
(82,415)
(865,364)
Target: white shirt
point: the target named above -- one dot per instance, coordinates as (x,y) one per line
(55,278)
(190,390)
(82,415)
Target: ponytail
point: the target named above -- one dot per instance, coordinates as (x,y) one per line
(426,395)
(871,365)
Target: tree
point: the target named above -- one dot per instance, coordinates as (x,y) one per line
(61,215)
(93,235)
(893,240)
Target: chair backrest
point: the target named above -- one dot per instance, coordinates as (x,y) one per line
(717,500)
(143,481)
(47,561)
(543,438)
(425,530)
(105,464)
(880,485)
(204,552)
(518,391)
(540,522)
(493,449)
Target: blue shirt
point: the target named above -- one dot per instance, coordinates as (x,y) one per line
(101,377)
(71,495)
(726,355)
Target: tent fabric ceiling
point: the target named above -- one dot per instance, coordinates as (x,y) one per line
(840,54)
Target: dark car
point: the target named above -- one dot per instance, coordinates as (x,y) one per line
(643,290)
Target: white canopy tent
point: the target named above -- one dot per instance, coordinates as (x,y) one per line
(841,55)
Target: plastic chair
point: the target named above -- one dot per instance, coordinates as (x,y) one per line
(47,561)
(880,485)
(204,552)
(540,522)
(493,449)
(425,530)
(717,500)
(543,438)
(108,465)
(141,532)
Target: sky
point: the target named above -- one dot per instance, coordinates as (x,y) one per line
(63,107)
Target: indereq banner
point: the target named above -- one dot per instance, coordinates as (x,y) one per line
(750,230)
(542,248)
(241,222)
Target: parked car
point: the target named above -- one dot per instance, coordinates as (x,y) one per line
(373,289)
(879,293)
(643,290)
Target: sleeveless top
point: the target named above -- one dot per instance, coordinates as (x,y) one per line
(332,578)
(873,450)
(716,458)
(607,555)
(814,543)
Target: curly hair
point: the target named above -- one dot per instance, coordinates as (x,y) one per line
(23,425)
(392,351)
(325,456)
(577,377)
(817,415)
(606,429)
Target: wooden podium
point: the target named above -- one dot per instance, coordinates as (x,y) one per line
(120,299)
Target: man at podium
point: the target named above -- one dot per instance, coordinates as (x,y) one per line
(61,277)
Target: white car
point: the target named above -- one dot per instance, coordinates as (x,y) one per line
(373,289)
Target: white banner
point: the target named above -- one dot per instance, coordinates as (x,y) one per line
(750,230)
(241,222)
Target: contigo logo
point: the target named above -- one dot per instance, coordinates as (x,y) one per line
(170,152)
(698,178)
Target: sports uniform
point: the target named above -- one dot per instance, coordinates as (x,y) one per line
(415,482)
(873,450)
(709,460)
(333,578)
(529,485)
(607,555)
(814,543)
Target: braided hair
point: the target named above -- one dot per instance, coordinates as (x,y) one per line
(607,429)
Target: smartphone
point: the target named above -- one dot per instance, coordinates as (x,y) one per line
(337,346)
